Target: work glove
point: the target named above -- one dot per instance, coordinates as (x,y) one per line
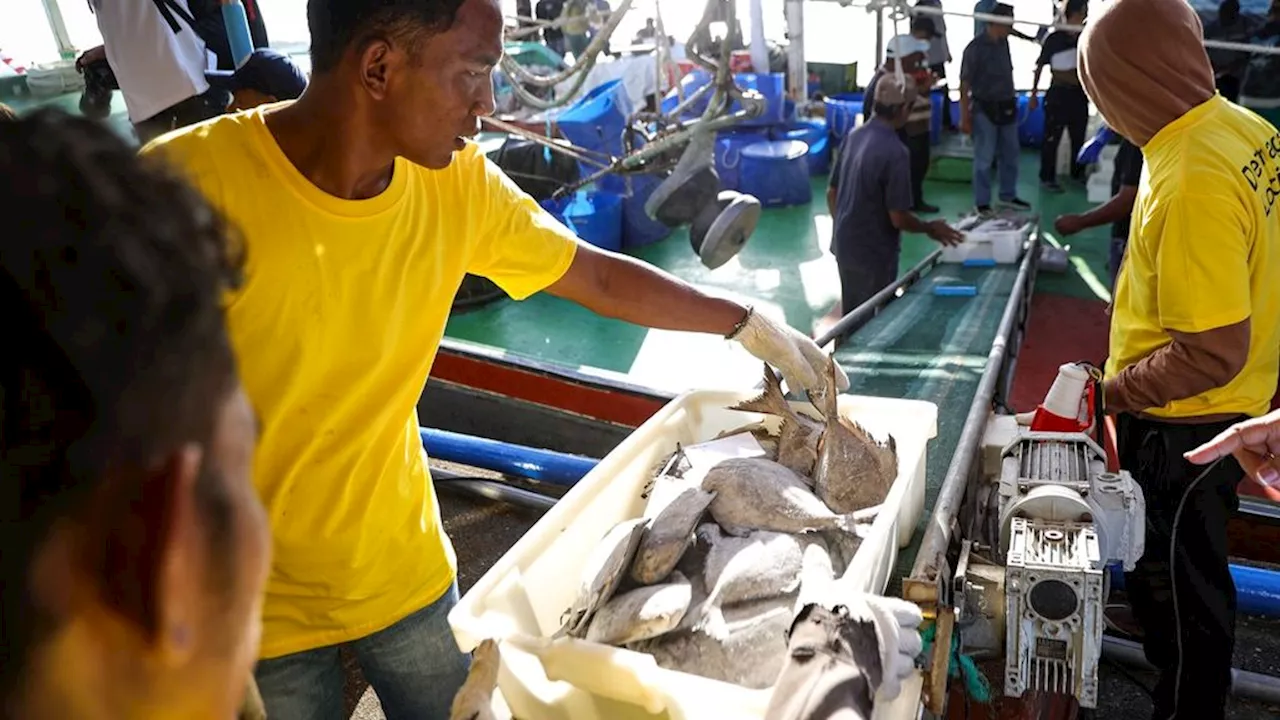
(897,625)
(840,661)
(802,363)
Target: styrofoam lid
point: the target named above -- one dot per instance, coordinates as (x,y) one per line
(777,149)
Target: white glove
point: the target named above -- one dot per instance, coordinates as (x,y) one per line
(898,631)
(797,357)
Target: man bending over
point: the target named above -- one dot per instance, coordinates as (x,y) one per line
(362,205)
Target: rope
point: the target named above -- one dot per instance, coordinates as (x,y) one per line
(961,667)
(902,6)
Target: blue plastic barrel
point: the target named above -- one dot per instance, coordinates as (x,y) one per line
(596,121)
(688,85)
(938,98)
(729,146)
(843,111)
(776,173)
(771,85)
(638,229)
(556,208)
(813,132)
(1031,122)
(597,218)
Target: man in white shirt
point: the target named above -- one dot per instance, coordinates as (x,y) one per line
(158,60)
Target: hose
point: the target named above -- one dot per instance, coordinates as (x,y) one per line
(492,490)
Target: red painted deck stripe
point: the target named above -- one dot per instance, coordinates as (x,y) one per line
(622,408)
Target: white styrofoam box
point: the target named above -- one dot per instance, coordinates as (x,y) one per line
(1108,154)
(1004,247)
(520,600)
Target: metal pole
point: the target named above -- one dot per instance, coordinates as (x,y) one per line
(866,310)
(797,69)
(938,534)
(1245,684)
(66,50)
(875,63)
(491,490)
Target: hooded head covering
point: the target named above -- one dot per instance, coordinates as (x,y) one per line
(1140,87)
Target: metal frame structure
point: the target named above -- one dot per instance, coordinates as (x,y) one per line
(929,584)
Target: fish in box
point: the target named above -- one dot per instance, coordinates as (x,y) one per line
(721,654)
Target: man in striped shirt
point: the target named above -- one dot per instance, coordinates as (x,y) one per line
(910,51)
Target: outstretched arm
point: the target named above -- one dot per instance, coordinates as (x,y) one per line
(627,289)
(624,288)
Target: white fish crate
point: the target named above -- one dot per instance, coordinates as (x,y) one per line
(1003,246)
(521,599)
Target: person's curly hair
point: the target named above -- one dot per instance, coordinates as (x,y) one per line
(112,274)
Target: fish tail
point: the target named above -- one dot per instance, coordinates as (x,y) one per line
(825,401)
(712,623)
(771,401)
(857,523)
(846,523)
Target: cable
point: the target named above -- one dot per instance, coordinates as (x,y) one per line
(1173,578)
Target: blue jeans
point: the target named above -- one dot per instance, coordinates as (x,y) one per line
(414,666)
(992,142)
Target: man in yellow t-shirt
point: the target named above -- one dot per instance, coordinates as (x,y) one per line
(1195,327)
(362,205)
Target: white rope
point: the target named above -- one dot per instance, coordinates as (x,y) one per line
(896,6)
(901,5)
(897,61)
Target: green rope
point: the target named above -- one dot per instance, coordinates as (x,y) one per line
(962,667)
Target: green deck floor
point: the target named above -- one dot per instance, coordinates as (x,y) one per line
(932,348)
(785,268)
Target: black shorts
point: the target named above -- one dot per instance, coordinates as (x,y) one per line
(940,70)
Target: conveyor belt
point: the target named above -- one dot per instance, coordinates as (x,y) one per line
(929,347)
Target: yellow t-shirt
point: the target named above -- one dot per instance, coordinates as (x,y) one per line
(335,331)
(1204,251)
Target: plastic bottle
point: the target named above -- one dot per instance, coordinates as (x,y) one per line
(237,24)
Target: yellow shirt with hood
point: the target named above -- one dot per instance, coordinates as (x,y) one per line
(1204,251)
(1204,243)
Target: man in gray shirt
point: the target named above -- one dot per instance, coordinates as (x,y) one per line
(869,198)
(989,111)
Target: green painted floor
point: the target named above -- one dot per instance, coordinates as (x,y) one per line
(785,269)
(933,348)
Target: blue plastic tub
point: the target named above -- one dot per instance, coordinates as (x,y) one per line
(638,229)
(689,84)
(595,216)
(556,208)
(812,132)
(772,86)
(776,172)
(937,97)
(729,146)
(597,120)
(1030,122)
(843,111)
